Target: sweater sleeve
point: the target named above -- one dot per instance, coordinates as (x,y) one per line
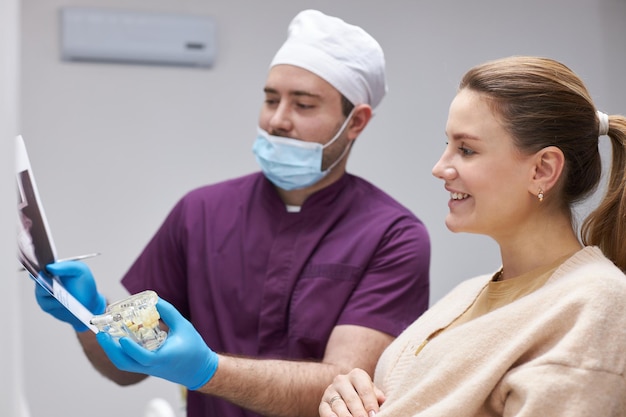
(560,390)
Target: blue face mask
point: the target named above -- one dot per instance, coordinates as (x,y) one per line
(292,164)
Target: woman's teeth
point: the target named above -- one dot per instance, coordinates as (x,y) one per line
(458,196)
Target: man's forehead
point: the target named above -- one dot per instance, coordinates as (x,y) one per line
(296,81)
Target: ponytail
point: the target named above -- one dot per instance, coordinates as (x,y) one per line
(605,227)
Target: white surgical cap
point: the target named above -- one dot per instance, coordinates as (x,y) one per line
(344,55)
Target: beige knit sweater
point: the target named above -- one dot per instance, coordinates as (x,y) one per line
(559,351)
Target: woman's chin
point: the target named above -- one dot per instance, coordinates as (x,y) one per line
(454,225)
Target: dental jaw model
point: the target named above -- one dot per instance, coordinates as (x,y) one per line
(135,317)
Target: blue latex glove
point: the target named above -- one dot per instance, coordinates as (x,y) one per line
(183,358)
(78,281)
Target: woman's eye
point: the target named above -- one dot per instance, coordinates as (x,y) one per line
(465,151)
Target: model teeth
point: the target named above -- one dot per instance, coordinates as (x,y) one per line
(458,196)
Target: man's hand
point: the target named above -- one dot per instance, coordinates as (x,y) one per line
(77,279)
(184,357)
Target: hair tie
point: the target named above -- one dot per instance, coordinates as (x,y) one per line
(604,123)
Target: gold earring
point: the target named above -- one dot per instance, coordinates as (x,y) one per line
(540,195)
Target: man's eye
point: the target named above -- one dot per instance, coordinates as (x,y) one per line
(304,106)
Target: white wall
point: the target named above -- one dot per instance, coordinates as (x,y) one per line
(114,146)
(11,365)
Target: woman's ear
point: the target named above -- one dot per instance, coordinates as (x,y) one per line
(549,164)
(360,118)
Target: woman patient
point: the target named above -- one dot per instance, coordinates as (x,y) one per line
(545,335)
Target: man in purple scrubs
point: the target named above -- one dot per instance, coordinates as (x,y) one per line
(273,283)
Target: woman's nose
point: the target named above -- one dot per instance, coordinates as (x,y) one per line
(443,169)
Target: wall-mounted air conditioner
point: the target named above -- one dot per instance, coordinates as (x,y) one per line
(112,35)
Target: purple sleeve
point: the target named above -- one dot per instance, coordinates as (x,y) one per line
(161,266)
(394,290)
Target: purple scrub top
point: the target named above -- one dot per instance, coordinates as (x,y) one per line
(259,281)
